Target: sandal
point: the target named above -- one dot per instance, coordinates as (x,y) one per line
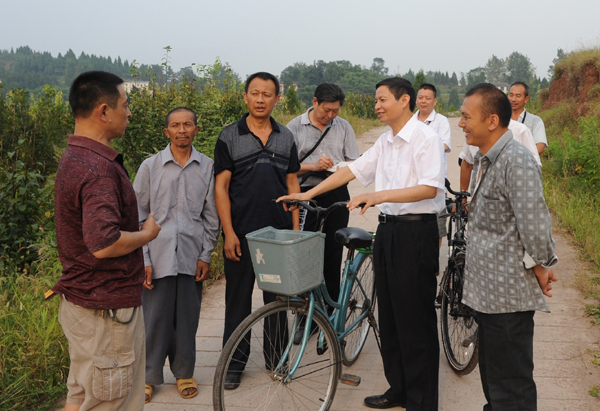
(187,383)
(148,390)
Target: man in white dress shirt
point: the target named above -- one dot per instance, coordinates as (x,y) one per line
(406,165)
(518,97)
(426,102)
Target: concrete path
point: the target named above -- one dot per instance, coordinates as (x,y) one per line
(564,339)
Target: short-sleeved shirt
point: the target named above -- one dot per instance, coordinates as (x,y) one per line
(94,202)
(258,174)
(508,216)
(412,157)
(339,143)
(536,125)
(441,125)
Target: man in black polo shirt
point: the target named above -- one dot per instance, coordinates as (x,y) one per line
(255,162)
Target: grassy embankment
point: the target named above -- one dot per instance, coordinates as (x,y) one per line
(572,164)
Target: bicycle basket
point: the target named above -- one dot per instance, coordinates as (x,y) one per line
(287,262)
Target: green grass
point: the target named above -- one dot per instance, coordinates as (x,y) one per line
(33,350)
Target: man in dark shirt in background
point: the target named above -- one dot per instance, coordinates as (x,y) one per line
(99,244)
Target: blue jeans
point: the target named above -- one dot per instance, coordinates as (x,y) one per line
(506,361)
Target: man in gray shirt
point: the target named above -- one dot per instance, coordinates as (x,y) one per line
(325,141)
(508,216)
(178,185)
(519,96)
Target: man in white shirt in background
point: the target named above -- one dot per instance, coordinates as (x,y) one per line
(520,133)
(426,102)
(518,97)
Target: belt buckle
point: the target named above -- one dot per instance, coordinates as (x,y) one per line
(383,218)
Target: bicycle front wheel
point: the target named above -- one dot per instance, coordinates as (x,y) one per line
(258,348)
(357,305)
(460,338)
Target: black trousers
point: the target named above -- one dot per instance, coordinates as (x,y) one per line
(239,284)
(506,361)
(171,315)
(406,264)
(333,251)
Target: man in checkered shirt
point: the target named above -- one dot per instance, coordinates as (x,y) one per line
(508,217)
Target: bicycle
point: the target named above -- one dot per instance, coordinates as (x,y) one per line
(459,329)
(282,375)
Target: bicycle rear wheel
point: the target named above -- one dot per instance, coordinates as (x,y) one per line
(357,305)
(265,384)
(460,338)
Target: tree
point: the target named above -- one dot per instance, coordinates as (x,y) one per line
(560,55)
(519,68)
(378,66)
(291,104)
(495,70)
(419,79)
(463,81)
(410,75)
(454,80)
(475,76)
(453,99)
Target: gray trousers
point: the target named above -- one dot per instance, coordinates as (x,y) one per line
(171,315)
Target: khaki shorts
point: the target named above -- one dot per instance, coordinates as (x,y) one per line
(442,225)
(108,359)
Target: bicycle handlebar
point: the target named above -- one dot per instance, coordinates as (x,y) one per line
(463,194)
(316,208)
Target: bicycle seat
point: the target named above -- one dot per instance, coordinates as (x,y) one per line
(353,237)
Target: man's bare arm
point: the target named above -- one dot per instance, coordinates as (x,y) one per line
(337,179)
(232,246)
(465,175)
(130,241)
(293,188)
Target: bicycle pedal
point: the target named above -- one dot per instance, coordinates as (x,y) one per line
(350,379)
(437,306)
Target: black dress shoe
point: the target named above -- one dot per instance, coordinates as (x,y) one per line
(232,380)
(381,402)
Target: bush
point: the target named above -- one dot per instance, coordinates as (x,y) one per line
(291,103)
(26,206)
(217,103)
(360,105)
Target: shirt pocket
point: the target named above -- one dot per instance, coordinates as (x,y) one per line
(195,196)
(112,375)
(493,215)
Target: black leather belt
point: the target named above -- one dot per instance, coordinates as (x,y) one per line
(405,218)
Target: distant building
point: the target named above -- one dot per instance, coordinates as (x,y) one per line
(503,86)
(128,85)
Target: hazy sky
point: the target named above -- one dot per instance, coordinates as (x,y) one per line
(270,35)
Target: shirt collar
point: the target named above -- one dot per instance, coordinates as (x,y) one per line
(406,131)
(166,155)
(522,114)
(497,148)
(243,126)
(429,118)
(305,119)
(93,145)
